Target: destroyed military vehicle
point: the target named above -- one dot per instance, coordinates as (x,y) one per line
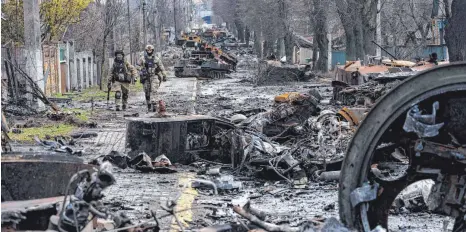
(416,131)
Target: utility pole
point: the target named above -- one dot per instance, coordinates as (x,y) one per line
(32,42)
(174,17)
(129,33)
(144,21)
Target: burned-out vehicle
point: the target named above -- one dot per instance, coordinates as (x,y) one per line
(210,62)
(416,131)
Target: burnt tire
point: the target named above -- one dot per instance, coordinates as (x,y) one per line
(356,164)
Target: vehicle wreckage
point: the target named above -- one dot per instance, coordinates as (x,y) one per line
(409,135)
(203,59)
(415,132)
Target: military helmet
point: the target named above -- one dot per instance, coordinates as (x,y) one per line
(119,52)
(149,47)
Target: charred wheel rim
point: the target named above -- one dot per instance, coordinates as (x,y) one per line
(359,166)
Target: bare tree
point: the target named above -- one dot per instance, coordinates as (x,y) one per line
(358,20)
(286,33)
(320,32)
(96,31)
(407,24)
(456,30)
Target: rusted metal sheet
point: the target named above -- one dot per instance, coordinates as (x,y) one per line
(353,73)
(347,76)
(27,176)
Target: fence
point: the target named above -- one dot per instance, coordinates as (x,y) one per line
(64,70)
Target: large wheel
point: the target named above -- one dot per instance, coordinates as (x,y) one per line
(383,126)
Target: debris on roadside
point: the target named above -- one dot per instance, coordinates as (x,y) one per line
(131,115)
(227,182)
(274,72)
(83,135)
(61,144)
(141,162)
(289,112)
(70,118)
(415,198)
(365,94)
(256,218)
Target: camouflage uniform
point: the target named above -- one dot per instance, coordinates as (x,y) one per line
(120,76)
(5,139)
(152,74)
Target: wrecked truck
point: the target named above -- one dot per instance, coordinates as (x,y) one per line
(357,84)
(417,131)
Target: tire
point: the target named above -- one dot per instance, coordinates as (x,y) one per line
(395,103)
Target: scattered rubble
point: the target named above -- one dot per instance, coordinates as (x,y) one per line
(362,95)
(61,144)
(141,162)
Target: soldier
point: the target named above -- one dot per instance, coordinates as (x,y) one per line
(152,73)
(5,139)
(119,79)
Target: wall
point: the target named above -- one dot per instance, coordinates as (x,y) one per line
(304,53)
(338,57)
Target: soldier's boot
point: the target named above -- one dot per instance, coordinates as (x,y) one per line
(117,100)
(154,107)
(124,107)
(149,107)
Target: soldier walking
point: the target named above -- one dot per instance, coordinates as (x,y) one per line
(152,73)
(119,78)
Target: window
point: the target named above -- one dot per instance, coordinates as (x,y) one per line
(62,55)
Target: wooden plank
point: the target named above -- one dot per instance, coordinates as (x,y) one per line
(63,69)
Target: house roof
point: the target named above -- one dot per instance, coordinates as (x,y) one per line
(303,41)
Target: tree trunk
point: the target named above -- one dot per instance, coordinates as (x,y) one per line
(280,48)
(247,36)
(240,30)
(320,13)
(289,47)
(369,36)
(369,27)
(315,51)
(102,62)
(359,39)
(455,31)
(265,48)
(287,34)
(347,17)
(350,45)
(111,39)
(257,44)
